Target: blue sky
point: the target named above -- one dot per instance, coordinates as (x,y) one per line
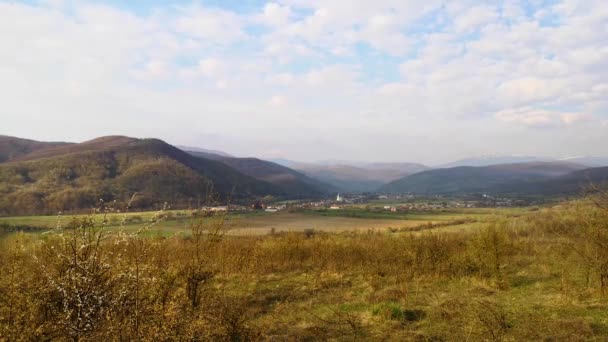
(385,80)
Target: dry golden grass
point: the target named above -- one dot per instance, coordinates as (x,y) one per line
(539,275)
(295,222)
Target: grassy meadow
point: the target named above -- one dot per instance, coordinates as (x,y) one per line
(467,275)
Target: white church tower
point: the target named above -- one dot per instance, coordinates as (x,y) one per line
(339,198)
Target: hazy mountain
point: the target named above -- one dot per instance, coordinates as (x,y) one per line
(345,178)
(13,147)
(360,178)
(290,181)
(471,179)
(591,161)
(390,171)
(283,161)
(113,168)
(211,153)
(493,160)
(574,183)
(545,169)
(206,155)
(587,160)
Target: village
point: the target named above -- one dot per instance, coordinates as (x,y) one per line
(369,201)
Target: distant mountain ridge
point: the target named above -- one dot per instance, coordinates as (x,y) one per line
(12,148)
(335,176)
(204,151)
(493,160)
(587,160)
(387,177)
(590,161)
(365,177)
(289,180)
(572,184)
(472,179)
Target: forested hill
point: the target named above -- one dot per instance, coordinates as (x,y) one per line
(76,176)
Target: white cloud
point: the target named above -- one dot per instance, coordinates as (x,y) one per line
(513,10)
(210,25)
(283,79)
(153,70)
(373,68)
(278,101)
(540,118)
(529,89)
(334,75)
(475,17)
(382,32)
(380,24)
(221,85)
(210,67)
(342,51)
(397,89)
(274,14)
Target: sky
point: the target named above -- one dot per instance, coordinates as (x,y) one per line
(385,80)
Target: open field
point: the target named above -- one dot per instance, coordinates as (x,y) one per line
(260,223)
(483,275)
(286,222)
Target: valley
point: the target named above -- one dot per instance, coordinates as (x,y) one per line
(161,243)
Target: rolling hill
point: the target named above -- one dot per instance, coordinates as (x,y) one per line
(76,176)
(469,179)
(13,148)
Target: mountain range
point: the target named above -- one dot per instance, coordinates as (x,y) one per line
(47,177)
(493,174)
